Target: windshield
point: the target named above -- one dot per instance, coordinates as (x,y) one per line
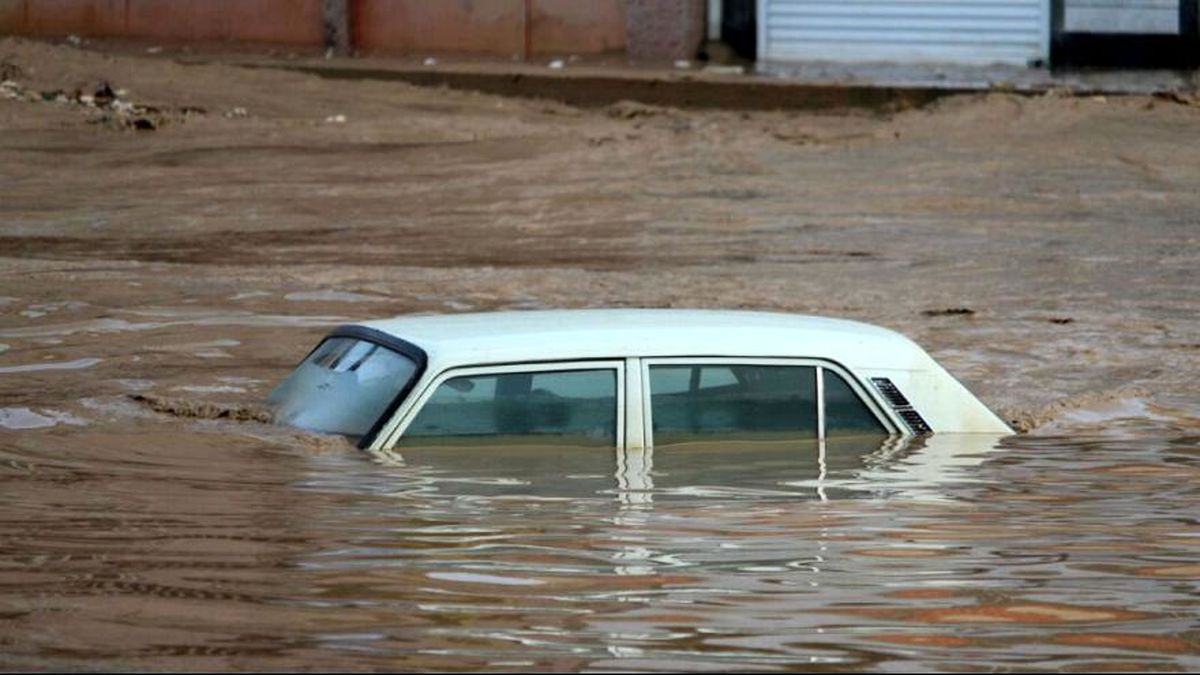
(343,387)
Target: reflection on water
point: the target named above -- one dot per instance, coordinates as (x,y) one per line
(220,548)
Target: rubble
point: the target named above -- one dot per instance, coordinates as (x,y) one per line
(116,110)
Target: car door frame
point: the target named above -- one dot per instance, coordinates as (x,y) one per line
(638,383)
(393,432)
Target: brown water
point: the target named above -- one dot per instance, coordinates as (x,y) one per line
(242,546)
(1043,249)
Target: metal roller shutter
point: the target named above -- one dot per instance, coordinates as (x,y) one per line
(980,32)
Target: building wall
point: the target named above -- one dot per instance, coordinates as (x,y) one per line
(277,21)
(577,27)
(505,28)
(495,27)
(509,28)
(664,29)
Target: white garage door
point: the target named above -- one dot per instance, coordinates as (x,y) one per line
(980,32)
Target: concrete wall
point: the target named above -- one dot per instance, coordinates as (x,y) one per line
(659,30)
(277,21)
(577,26)
(505,28)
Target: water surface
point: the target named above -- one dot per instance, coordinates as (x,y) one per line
(242,546)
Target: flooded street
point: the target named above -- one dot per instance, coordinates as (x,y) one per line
(233,548)
(155,285)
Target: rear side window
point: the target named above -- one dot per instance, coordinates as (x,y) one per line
(845,413)
(572,407)
(734,402)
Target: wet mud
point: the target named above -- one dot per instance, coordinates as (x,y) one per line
(156,284)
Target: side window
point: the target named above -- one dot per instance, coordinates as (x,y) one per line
(734,402)
(576,407)
(845,412)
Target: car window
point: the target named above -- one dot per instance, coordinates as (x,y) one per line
(736,402)
(342,387)
(846,413)
(575,407)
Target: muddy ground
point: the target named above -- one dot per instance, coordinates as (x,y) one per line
(1045,249)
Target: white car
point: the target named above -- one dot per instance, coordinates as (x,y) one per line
(628,379)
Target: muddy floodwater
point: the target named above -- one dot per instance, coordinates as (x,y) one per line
(166,259)
(243,548)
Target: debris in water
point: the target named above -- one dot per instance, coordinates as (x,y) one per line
(10,89)
(104,95)
(629,110)
(204,410)
(950,311)
(9,70)
(142,124)
(1024,421)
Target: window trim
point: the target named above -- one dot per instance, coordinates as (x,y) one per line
(406,417)
(820,365)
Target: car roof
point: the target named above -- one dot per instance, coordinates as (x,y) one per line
(559,335)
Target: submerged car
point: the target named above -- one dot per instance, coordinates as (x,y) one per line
(621,378)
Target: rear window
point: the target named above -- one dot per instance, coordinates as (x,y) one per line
(343,387)
(733,402)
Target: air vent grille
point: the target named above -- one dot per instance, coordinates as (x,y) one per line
(891,392)
(900,404)
(914,421)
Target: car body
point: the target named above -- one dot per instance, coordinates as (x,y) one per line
(625,378)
